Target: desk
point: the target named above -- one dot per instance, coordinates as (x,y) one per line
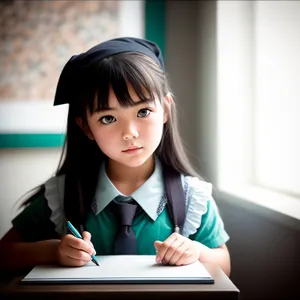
(223,289)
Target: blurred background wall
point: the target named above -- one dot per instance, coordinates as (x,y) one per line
(264,242)
(37,38)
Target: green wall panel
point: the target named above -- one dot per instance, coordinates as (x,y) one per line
(34,140)
(155,22)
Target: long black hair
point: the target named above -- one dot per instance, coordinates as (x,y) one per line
(81,156)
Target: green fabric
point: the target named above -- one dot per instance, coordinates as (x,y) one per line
(211,232)
(103,228)
(33,223)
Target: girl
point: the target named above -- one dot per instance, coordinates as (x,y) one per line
(121,134)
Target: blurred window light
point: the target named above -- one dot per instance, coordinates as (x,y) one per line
(258,63)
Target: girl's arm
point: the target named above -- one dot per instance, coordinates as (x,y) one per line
(17,255)
(219,256)
(69,251)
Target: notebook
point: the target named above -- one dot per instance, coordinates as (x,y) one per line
(120,269)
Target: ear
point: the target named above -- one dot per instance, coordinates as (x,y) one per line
(85,128)
(167,107)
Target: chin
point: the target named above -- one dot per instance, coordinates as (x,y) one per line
(134,162)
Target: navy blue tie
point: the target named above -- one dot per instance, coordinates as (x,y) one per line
(125,240)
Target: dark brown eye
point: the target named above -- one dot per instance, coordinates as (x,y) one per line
(143,113)
(107,119)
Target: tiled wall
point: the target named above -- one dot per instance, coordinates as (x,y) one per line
(38,37)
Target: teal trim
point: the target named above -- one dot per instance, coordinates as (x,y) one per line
(155,25)
(31,140)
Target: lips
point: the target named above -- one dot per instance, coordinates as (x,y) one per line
(133,148)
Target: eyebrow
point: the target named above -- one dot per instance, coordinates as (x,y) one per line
(148,101)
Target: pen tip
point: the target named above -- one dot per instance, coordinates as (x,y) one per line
(95,261)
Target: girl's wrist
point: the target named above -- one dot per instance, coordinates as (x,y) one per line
(202,249)
(198,247)
(53,255)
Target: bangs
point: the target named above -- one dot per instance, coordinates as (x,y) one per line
(117,73)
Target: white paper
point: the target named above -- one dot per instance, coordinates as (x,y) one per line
(120,268)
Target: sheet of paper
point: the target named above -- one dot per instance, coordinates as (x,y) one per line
(121,268)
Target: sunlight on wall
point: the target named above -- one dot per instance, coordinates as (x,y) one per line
(258,102)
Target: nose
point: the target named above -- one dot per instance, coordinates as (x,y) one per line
(130,131)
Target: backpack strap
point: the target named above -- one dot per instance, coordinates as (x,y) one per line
(175,197)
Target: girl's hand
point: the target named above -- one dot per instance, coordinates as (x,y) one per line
(177,250)
(75,252)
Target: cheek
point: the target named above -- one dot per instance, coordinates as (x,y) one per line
(103,137)
(155,127)
(158,121)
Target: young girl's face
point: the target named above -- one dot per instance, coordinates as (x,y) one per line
(128,135)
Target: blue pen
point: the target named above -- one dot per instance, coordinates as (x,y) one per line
(78,235)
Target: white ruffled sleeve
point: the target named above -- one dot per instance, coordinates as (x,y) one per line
(197,194)
(54,194)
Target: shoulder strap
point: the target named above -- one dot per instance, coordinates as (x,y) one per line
(175,197)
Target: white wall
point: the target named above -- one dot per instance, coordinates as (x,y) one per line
(20,171)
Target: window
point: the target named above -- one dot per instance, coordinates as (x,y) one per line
(258,100)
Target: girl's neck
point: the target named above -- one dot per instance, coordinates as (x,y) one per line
(128,179)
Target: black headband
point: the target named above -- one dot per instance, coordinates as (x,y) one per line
(80,62)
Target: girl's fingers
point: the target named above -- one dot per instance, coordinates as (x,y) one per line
(178,254)
(172,250)
(169,246)
(72,262)
(94,253)
(163,248)
(87,237)
(177,250)
(73,256)
(157,245)
(78,254)
(186,258)
(74,251)
(79,244)
(190,253)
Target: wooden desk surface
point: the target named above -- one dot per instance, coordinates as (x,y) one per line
(223,289)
